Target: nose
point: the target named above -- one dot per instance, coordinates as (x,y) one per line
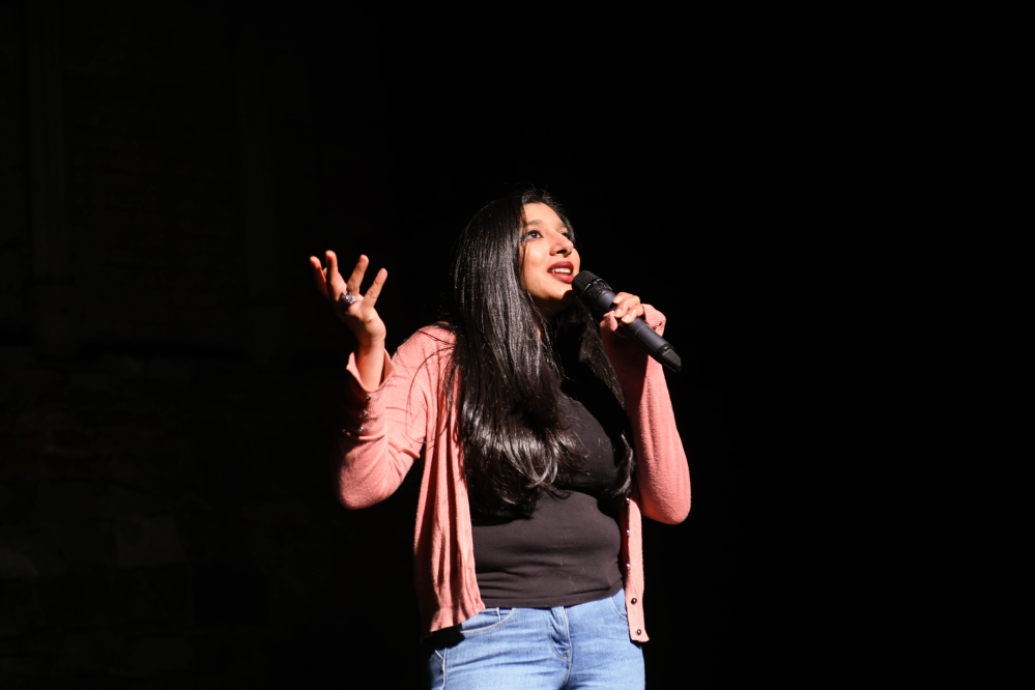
(563,245)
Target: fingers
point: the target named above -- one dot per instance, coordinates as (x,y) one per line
(356,279)
(319,276)
(332,285)
(335,284)
(379,280)
(627,307)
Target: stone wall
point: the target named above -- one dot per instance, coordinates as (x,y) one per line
(15,254)
(153,172)
(165,517)
(166,512)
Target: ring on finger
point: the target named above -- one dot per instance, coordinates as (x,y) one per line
(348,298)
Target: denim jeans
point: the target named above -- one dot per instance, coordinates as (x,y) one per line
(563,648)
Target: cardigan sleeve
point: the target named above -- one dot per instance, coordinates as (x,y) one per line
(662,473)
(383,429)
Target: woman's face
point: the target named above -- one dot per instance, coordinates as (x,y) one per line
(549,261)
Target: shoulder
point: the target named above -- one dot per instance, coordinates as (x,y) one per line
(434,341)
(429,339)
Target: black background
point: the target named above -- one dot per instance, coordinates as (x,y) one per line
(701,158)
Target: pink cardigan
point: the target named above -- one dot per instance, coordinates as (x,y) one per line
(386,429)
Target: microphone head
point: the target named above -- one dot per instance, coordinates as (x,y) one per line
(586,281)
(593,292)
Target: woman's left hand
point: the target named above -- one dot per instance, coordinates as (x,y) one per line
(627,307)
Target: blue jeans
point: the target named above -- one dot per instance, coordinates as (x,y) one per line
(563,648)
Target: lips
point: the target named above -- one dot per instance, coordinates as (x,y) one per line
(563,271)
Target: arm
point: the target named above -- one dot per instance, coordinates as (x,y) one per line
(662,472)
(384,427)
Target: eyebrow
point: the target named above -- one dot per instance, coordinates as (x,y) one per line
(539,222)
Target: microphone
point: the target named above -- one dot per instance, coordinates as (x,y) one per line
(599,298)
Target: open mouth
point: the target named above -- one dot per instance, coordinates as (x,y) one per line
(563,271)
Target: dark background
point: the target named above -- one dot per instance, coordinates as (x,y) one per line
(169,377)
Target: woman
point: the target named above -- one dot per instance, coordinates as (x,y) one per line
(546,437)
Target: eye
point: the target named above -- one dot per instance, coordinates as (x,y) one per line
(531,233)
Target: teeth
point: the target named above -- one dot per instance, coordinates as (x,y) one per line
(561,270)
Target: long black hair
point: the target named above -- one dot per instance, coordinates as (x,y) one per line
(508,365)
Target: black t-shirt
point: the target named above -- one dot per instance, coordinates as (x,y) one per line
(568,551)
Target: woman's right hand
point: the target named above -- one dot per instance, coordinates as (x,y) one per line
(361,317)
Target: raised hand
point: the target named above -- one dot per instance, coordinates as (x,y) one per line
(361,317)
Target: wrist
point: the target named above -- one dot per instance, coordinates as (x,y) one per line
(372,345)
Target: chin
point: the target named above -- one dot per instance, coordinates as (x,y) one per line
(565,301)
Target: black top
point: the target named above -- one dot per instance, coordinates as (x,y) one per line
(568,551)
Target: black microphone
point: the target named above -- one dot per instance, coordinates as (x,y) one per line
(599,298)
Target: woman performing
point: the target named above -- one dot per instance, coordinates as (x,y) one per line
(546,436)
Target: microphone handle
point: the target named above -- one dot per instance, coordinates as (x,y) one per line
(655,346)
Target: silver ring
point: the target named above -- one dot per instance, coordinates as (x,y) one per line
(348,298)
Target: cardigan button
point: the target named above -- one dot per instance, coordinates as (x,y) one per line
(627,531)
(361,430)
(365,414)
(628,566)
(367,396)
(639,632)
(634,600)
